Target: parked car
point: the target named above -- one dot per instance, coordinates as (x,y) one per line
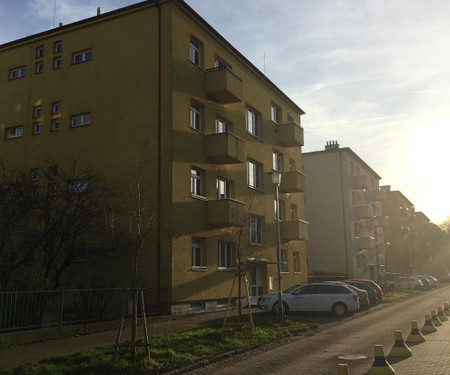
(408,282)
(370,291)
(373,285)
(337,298)
(443,276)
(426,283)
(364,302)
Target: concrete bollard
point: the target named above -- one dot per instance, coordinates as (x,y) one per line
(434,319)
(446,309)
(343,369)
(400,349)
(415,336)
(380,365)
(428,327)
(441,316)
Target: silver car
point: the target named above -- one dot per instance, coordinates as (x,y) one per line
(337,298)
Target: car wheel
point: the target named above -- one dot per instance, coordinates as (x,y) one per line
(339,309)
(276,310)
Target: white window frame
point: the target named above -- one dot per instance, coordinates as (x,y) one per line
(52,188)
(292,165)
(197,182)
(197,260)
(56,108)
(254,175)
(82,56)
(37,128)
(40,51)
(195,52)
(256,224)
(57,62)
(277,161)
(34,174)
(253,122)
(225,255)
(296,261)
(222,126)
(284,261)
(79,186)
(14,132)
(57,46)
(195,113)
(19,72)
(294,212)
(275,113)
(56,124)
(52,172)
(82,119)
(223,188)
(37,111)
(280,210)
(39,67)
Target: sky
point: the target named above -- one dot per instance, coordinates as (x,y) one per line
(372,75)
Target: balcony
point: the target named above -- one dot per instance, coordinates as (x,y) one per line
(375,195)
(381,221)
(290,134)
(225,148)
(364,212)
(224,213)
(295,230)
(223,85)
(366,243)
(292,182)
(361,182)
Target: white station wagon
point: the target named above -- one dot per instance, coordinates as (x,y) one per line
(334,297)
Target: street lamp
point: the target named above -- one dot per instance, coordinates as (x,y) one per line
(276,180)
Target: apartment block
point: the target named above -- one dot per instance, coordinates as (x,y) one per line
(153,84)
(342,205)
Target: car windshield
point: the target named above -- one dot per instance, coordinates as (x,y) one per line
(291,289)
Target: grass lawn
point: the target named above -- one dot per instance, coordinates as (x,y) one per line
(166,351)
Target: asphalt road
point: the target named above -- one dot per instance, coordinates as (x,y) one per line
(318,354)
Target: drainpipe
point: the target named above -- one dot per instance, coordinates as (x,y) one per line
(158,203)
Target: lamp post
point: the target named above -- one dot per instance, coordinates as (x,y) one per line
(276,179)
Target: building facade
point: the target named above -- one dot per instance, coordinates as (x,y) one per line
(153,85)
(346,231)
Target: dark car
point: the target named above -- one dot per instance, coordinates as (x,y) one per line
(426,283)
(373,285)
(364,301)
(370,291)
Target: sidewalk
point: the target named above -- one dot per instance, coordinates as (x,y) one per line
(22,354)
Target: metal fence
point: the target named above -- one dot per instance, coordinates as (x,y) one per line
(57,308)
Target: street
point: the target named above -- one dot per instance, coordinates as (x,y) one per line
(318,354)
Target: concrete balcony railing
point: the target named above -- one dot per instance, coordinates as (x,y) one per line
(293,182)
(222,213)
(364,212)
(223,85)
(381,221)
(361,182)
(375,195)
(225,148)
(290,134)
(366,243)
(294,230)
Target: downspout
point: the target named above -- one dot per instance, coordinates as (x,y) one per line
(158,203)
(343,213)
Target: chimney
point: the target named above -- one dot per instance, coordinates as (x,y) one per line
(99,11)
(332,145)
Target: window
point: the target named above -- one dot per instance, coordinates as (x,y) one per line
(294,212)
(39,67)
(56,108)
(219,63)
(57,62)
(256,223)
(197,253)
(34,174)
(277,161)
(18,72)
(80,120)
(56,125)
(78,186)
(253,120)
(275,113)
(14,132)
(40,51)
(196,182)
(196,116)
(37,111)
(225,255)
(194,52)
(292,165)
(254,173)
(223,188)
(52,188)
(37,128)
(279,213)
(52,172)
(222,126)
(57,47)
(283,260)
(82,56)
(296,261)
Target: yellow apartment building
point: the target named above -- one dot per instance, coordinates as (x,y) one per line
(153,84)
(343,207)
